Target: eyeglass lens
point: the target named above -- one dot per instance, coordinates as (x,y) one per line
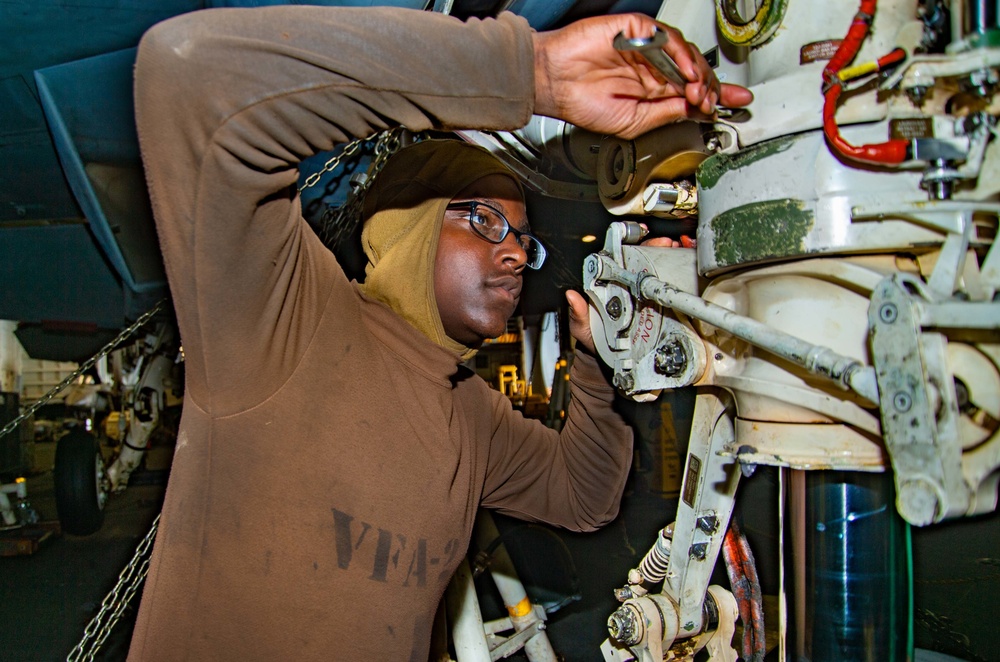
(493,226)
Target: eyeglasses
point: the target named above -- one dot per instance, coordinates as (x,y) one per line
(494,227)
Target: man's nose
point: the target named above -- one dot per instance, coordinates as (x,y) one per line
(512,250)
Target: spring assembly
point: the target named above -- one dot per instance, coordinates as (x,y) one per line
(654,565)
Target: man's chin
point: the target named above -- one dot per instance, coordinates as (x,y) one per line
(491,334)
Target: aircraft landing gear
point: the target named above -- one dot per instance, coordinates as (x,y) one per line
(81,485)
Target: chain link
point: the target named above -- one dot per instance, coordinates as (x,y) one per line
(84,367)
(336,224)
(349,150)
(115,602)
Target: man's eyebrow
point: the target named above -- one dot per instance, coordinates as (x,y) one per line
(523,226)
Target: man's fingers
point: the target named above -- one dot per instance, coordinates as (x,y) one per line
(577,305)
(734,96)
(661,242)
(666,242)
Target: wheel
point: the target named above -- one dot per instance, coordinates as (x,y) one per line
(80,483)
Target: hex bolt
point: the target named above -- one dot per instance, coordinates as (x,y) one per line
(902,402)
(623,594)
(358,180)
(917,94)
(746,468)
(698,551)
(614,308)
(980,83)
(888,313)
(708,523)
(623,380)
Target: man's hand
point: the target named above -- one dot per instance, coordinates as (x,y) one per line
(582,79)
(579,320)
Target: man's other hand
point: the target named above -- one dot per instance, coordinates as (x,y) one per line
(579,309)
(579,320)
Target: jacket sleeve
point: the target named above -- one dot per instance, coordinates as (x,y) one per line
(573,478)
(229,101)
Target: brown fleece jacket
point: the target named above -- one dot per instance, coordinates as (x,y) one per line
(331,457)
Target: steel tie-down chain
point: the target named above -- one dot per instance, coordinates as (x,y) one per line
(348,151)
(85,366)
(115,602)
(131,577)
(336,225)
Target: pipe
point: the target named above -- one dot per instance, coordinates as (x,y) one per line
(856,569)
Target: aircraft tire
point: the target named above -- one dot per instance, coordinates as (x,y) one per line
(78,477)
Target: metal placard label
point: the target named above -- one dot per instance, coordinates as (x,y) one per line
(691,478)
(909,128)
(818,50)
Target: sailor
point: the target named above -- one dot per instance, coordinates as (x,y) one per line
(333,451)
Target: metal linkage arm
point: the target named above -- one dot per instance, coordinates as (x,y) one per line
(843,370)
(687,614)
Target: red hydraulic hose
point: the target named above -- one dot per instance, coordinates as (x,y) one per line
(743,580)
(891,152)
(851,44)
(892,57)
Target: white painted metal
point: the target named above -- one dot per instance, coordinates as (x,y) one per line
(802,169)
(752,311)
(820,275)
(18,489)
(141,425)
(144,386)
(524,617)
(787,90)
(638,335)
(465,617)
(476,640)
(10,358)
(647,626)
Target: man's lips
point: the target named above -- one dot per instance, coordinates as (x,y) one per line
(509,284)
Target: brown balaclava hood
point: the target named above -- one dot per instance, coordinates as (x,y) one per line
(403,213)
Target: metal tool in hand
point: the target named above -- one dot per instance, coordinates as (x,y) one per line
(651,48)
